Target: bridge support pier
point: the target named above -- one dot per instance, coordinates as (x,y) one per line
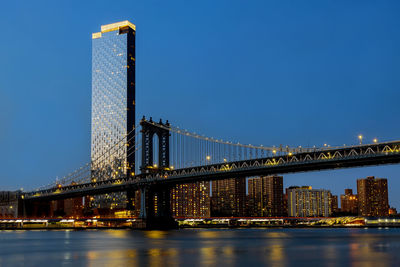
(155,209)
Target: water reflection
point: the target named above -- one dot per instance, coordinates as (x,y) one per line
(209,234)
(330,254)
(370,250)
(122,257)
(275,253)
(200,247)
(155,257)
(276,235)
(118,233)
(156,234)
(208,256)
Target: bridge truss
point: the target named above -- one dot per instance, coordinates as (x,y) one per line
(309,160)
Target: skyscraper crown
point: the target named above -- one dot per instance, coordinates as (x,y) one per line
(113,27)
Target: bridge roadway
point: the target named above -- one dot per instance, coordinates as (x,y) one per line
(321,159)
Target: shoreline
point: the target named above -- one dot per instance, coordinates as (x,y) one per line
(201,227)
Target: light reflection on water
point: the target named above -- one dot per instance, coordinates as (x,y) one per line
(202,247)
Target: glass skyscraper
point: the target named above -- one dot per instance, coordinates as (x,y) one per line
(113,101)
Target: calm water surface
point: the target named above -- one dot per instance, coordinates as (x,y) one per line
(202,247)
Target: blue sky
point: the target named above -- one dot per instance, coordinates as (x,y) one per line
(260,72)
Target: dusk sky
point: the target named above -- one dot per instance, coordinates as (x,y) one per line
(260,72)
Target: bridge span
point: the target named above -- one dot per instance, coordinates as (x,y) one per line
(320,159)
(203,159)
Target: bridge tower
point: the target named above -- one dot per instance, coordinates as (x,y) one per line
(155,210)
(149,129)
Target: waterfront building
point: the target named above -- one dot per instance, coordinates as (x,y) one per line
(113,100)
(285,205)
(9,204)
(392,211)
(133,202)
(57,208)
(228,197)
(334,204)
(253,205)
(191,200)
(73,207)
(349,202)
(307,202)
(265,196)
(373,196)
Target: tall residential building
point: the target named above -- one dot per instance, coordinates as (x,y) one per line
(254,203)
(334,204)
(265,198)
(228,198)
(191,200)
(113,100)
(349,202)
(373,197)
(285,205)
(307,202)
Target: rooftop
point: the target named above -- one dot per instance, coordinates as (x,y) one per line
(117,25)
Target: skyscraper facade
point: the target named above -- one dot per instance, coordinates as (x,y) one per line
(228,197)
(113,100)
(307,202)
(254,197)
(373,197)
(265,196)
(191,200)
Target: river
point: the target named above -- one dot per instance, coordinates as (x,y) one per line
(202,247)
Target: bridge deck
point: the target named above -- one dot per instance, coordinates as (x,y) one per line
(334,158)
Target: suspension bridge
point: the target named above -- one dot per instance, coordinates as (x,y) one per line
(181,156)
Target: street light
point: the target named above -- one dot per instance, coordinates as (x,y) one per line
(360,137)
(375,140)
(208,158)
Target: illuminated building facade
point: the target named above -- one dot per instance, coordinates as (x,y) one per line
(285,204)
(9,204)
(113,100)
(228,198)
(373,197)
(265,196)
(254,197)
(334,204)
(133,202)
(307,202)
(191,200)
(392,211)
(349,202)
(73,207)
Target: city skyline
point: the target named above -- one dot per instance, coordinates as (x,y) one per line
(204,133)
(255,133)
